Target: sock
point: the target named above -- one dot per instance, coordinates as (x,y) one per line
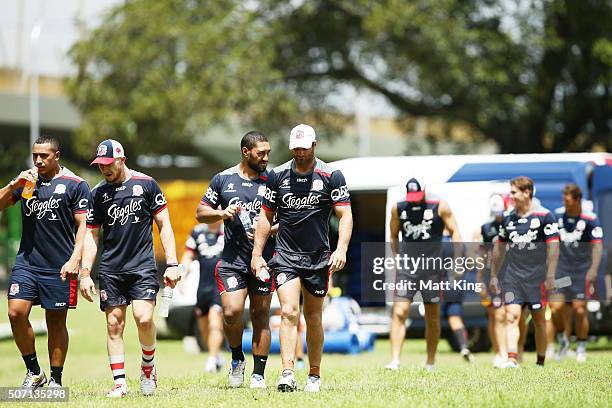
(287,371)
(259,364)
(148,355)
(31,363)
(461,337)
(561,337)
(56,374)
(581,345)
(513,355)
(314,371)
(237,353)
(541,358)
(117,365)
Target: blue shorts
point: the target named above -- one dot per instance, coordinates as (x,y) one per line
(232,277)
(43,288)
(119,289)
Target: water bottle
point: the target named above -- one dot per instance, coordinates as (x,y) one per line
(245,219)
(28,189)
(166,299)
(264,274)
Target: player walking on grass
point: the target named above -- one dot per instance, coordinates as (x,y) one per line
(49,256)
(302,193)
(420,219)
(529,239)
(580,254)
(125,205)
(235,196)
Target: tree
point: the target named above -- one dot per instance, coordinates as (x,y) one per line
(533,75)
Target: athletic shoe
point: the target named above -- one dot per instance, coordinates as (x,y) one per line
(511,364)
(581,356)
(499,361)
(564,346)
(467,355)
(119,390)
(394,365)
(148,380)
(286,382)
(550,351)
(211,365)
(313,384)
(236,373)
(430,368)
(53,384)
(34,381)
(258,381)
(220,362)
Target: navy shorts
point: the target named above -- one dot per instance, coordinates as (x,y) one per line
(579,289)
(43,288)
(315,281)
(523,293)
(207,299)
(235,277)
(119,289)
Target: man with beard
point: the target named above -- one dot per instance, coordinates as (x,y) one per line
(302,193)
(235,196)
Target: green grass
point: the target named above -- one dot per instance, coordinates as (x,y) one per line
(347,380)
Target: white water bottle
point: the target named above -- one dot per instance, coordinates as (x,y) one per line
(164,306)
(245,219)
(264,274)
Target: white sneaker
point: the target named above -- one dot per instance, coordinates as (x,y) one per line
(313,384)
(119,390)
(564,347)
(467,356)
(394,365)
(148,380)
(53,384)
(499,361)
(430,368)
(220,362)
(550,351)
(581,356)
(286,382)
(236,373)
(511,364)
(34,381)
(211,365)
(258,381)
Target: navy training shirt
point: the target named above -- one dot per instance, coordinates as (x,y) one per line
(576,235)
(527,237)
(303,204)
(227,188)
(47,220)
(125,213)
(207,246)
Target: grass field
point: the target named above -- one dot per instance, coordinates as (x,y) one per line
(347,380)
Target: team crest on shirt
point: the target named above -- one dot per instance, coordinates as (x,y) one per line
(581,225)
(261,191)
(281,278)
(428,214)
(317,185)
(137,190)
(60,189)
(103,295)
(535,223)
(14,289)
(232,282)
(597,233)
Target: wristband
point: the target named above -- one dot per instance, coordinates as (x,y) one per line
(172,265)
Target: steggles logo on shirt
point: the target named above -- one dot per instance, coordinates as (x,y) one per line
(291,201)
(418,230)
(254,205)
(41,207)
(123,213)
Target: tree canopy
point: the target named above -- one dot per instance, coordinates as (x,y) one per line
(532,75)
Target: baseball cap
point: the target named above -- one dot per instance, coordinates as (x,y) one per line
(108,151)
(415,189)
(497,205)
(302,136)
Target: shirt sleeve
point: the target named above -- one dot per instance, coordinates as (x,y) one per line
(550,228)
(339,190)
(213,192)
(157,199)
(594,231)
(80,199)
(16,195)
(94,215)
(270,196)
